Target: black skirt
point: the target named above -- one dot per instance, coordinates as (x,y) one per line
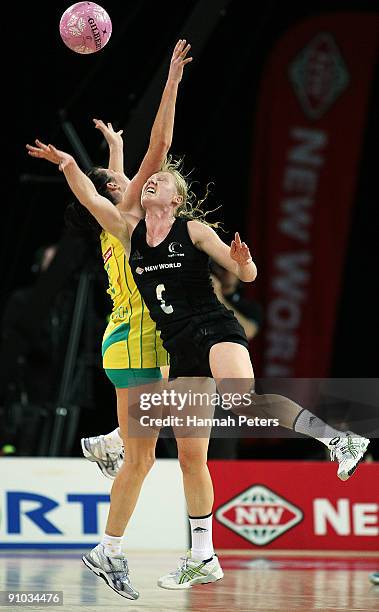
(189,347)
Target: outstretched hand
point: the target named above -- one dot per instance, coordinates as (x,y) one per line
(179,60)
(50,153)
(112,137)
(239,251)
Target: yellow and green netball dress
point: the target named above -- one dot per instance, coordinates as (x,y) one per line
(132,348)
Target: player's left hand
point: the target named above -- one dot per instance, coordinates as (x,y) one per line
(239,251)
(112,137)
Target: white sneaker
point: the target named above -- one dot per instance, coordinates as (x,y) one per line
(348,450)
(114,570)
(95,449)
(190,572)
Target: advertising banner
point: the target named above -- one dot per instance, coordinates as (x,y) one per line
(310,122)
(63,503)
(294,505)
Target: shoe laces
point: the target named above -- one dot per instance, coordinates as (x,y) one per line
(120,568)
(110,462)
(111,456)
(182,566)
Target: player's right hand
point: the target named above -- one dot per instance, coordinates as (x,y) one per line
(179,60)
(50,153)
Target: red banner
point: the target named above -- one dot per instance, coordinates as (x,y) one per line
(308,138)
(294,505)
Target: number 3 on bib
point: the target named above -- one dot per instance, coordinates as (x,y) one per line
(166,309)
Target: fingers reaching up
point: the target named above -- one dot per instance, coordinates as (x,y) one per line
(179,59)
(49,152)
(112,137)
(239,251)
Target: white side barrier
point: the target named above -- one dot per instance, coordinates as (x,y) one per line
(63,503)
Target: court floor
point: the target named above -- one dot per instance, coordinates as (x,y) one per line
(271,580)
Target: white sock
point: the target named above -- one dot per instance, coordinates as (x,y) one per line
(114,441)
(310,425)
(201,534)
(112,545)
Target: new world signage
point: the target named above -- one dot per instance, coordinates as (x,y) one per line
(259,515)
(309,127)
(294,505)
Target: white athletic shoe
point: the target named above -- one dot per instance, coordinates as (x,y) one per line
(95,449)
(114,570)
(190,572)
(348,450)
(374,578)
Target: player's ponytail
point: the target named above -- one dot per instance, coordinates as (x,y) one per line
(191,207)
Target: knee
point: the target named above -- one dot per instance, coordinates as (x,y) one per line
(140,463)
(255,407)
(191,461)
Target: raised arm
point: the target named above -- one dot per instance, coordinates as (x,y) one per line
(106,214)
(115,143)
(162,130)
(236,258)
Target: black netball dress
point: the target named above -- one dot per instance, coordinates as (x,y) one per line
(174,281)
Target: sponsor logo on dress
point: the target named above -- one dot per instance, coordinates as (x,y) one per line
(162,266)
(107,254)
(173,249)
(139,270)
(259,515)
(136,255)
(319,75)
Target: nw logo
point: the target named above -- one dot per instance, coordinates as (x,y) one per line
(259,515)
(319,75)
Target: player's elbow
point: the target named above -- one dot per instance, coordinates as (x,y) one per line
(161,146)
(251,329)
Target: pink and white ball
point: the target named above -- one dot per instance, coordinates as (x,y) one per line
(85,27)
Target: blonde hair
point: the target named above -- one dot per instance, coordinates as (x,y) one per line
(190,208)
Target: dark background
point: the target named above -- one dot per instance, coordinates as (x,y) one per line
(214,128)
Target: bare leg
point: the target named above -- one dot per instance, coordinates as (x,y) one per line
(229,360)
(198,487)
(139,459)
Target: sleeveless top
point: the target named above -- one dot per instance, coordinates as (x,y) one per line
(143,345)
(173,277)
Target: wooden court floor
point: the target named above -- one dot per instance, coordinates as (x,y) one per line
(271,580)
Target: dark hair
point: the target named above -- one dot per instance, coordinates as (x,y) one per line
(100,178)
(77,217)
